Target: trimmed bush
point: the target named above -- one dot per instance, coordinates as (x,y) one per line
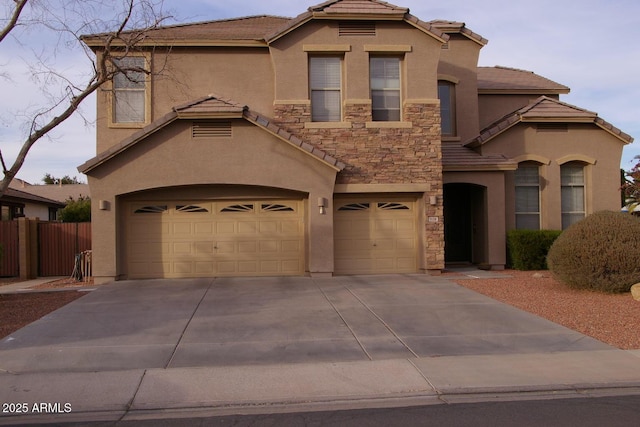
(601,253)
(528,249)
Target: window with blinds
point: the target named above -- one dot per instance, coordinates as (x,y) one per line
(325,83)
(385,88)
(527,186)
(572,193)
(129,90)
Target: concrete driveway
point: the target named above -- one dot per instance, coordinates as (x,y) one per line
(253,321)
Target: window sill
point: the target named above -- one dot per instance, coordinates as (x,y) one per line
(389,125)
(127,125)
(327,125)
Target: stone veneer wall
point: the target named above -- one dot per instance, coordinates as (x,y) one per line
(383,155)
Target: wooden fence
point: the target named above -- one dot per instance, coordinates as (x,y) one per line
(33,248)
(58,244)
(9,262)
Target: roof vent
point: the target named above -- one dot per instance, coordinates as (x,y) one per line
(357,28)
(552,127)
(211,129)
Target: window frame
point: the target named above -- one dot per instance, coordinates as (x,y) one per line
(527,185)
(331,118)
(113,90)
(452,117)
(386,90)
(570,217)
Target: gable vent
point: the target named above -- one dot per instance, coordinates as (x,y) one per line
(357,28)
(211,130)
(552,127)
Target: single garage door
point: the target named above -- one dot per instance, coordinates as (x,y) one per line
(208,239)
(374,236)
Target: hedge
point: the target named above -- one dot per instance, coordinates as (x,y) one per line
(527,249)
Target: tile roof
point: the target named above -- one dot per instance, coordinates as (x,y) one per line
(362,9)
(456,157)
(250,28)
(261,29)
(358,7)
(511,80)
(545,110)
(209,106)
(452,27)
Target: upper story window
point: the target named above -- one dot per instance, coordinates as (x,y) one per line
(527,185)
(385,88)
(129,104)
(325,83)
(447,96)
(572,193)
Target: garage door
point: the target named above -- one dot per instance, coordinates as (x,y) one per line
(374,236)
(207,239)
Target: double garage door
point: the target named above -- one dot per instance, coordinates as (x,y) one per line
(221,238)
(375,235)
(265,238)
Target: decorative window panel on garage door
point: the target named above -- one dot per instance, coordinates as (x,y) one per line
(375,236)
(208,239)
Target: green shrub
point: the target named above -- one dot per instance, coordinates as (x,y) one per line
(601,252)
(527,249)
(77,210)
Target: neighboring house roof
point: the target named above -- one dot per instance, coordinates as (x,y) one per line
(456,157)
(546,110)
(13,195)
(213,107)
(497,80)
(453,27)
(60,193)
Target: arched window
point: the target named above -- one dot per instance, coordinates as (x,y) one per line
(527,185)
(573,193)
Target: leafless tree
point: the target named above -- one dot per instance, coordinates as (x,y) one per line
(121,24)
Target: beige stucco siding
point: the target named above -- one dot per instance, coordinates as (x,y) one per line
(290,58)
(171,158)
(584,143)
(242,75)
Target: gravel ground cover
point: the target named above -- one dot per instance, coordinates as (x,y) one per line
(610,318)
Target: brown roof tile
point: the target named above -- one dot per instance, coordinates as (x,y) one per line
(358,6)
(509,80)
(250,28)
(456,157)
(545,109)
(452,27)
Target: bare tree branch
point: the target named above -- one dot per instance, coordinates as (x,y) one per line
(13,22)
(118,43)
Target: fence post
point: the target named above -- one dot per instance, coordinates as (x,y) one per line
(27,239)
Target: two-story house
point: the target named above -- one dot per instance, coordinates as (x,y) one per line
(354,138)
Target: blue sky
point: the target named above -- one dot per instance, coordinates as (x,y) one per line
(592,46)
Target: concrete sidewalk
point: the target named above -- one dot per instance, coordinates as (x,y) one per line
(154,349)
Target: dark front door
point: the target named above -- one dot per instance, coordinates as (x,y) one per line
(464,223)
